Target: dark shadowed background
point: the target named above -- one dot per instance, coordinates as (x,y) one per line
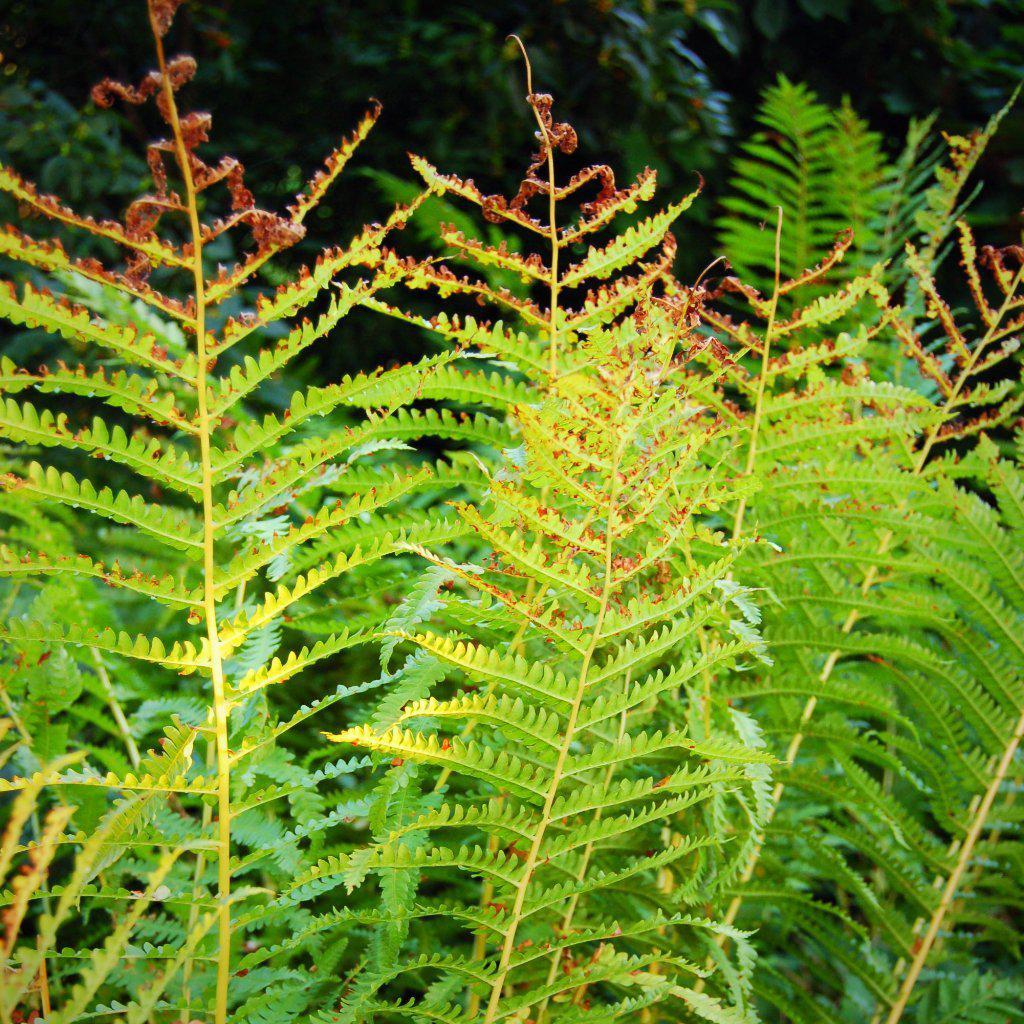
(673,85)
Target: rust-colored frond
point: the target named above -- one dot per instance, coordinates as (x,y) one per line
(162,13)
(426,274)
(840,247)
(42,310)
(529,267)
(555,289)
(322,180)
(49,255)
(761,304)
(468,189)
(961,364)
(552,136)
(608,300)
(944,200)
(609,202)
(307,283)
(179,71)
(1005,264)
(593,214)
(153,249)
(686,311)
(928,364)
(271,232)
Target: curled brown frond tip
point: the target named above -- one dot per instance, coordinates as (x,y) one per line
(162,13)
(559,134)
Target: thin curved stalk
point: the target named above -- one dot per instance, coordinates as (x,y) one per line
(552,222)
(927,940)
(487,890)
(115,709)
(755,427)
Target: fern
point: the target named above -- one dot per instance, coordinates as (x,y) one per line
(875,639)
(603,451)
(829,173)
(191,470)
(647,651)
(826,170)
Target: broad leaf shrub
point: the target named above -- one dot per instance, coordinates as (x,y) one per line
(647,651)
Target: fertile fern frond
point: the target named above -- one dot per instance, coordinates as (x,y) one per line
(551,290)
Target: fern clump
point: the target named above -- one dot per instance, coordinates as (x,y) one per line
(651,651)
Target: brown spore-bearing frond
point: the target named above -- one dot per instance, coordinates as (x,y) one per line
(962,427)
(731,284)
(1000,261)
(685,309)
(271,232)
(928,365)
(972,358)
(840,247)
(609,201)
(322,180)
(50,255)
(601,173)
(530,266)
(553,135)
(421,274)
(1005,265)
(150,247)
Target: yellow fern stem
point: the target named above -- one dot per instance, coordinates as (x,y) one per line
(487,892)
(755,428)
(924,945)
(737,531)
(549,148)
(532,857)
(588,852)
(204,429)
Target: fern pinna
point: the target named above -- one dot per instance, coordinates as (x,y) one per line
(200,503)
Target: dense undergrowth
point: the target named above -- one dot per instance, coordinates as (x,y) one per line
(646,651)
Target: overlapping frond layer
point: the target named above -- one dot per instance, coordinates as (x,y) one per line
(557,787)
